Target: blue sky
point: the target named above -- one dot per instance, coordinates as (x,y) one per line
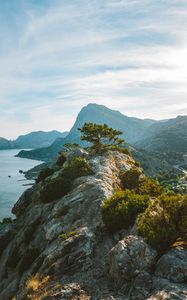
(57,56)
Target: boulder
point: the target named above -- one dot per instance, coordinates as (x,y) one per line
(164,289)
(76,152)
(129,258)
(23,202)
(141,286)
(173,265)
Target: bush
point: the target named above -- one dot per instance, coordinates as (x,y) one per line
(137,164)
(37,287)
(44,174)
(130,179)
(60,186)
(56,188)
(121,150)
(64,236)
(164,221)
(150,187)
(77,167)
(61,159)
(120,210)
(7,221)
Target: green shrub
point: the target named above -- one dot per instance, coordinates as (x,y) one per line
(164,221)
(137,164)
(44,174)
(56,188)
(150,187)
(120,210)
(64,236)
(61,159)
(7,221)
(60,186)
(77,167)
(121,150)
(62,211)
(125,151)
(130,179)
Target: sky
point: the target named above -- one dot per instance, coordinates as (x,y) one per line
(57,56)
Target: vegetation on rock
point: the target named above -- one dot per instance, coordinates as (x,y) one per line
(149,186)
(61,159)
(7,221)
(44,174)
(64,236)
(56,188)
(61,185)
(164,221)
(121,150)
(130,179)
(121,210)
(101,137)
(77,167)
(37,287)
(133,180)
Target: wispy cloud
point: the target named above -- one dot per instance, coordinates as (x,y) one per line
(57,56)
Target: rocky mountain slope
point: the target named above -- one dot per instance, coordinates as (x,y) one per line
(62,250)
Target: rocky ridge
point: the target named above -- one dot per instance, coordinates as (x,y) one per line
(88,263)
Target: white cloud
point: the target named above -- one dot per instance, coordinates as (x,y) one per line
(129,55)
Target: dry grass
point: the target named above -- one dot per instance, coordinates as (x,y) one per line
(37,287)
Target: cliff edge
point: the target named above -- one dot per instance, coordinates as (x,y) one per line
(61,249)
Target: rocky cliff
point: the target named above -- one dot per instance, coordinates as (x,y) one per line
(62,250)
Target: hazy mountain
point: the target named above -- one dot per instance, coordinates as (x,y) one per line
(35,139)
(6,144)
(132,129)
(163,136)
(39,139)
(158,145)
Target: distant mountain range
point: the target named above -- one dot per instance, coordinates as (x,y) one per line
(6,144)
(157,144)
(132,129)
(35,139)
(162,136)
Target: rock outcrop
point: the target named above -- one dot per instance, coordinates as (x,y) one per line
(66,242)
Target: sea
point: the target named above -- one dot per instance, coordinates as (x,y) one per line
(12,182)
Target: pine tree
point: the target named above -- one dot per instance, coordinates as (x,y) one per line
(101,137)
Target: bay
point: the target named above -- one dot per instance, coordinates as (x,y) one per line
(12,183)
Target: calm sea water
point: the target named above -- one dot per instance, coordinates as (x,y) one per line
(12,183)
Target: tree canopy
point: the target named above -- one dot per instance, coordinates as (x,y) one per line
(101,137)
